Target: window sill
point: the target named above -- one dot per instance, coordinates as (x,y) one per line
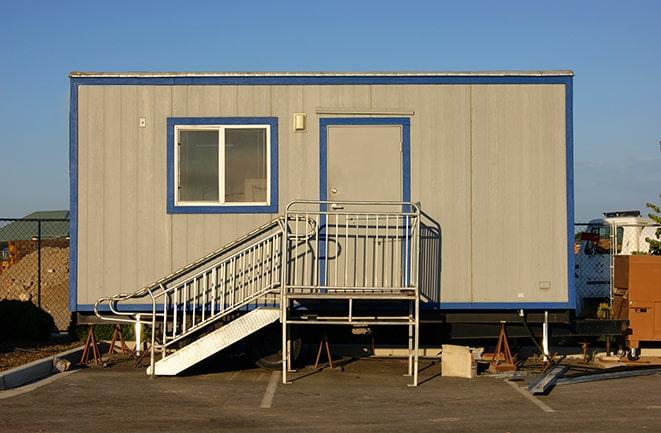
(222,209)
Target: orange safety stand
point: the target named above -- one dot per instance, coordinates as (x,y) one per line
(146,350)
(90,343)
(502,358)
(123,348)
(324,342)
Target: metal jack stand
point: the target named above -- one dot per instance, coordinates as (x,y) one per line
(90,343)
(502,358)
(146,350)
(123,348)
(324,342)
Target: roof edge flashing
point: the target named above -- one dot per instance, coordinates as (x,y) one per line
(145,74)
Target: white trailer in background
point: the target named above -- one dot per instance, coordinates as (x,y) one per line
(617,233)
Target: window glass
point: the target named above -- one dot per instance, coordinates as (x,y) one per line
(245,165)
(198,165)
(599,240)
(620,238)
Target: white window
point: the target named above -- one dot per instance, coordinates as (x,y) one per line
(222,165)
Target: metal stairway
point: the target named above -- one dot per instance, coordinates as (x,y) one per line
(347,252)
(243,275)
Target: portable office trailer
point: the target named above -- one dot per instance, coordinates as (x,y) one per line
(166,167)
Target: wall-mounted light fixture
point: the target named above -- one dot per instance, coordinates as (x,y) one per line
(299,122)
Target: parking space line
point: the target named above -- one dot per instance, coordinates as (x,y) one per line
(267,401)
(527,395)
(8,393)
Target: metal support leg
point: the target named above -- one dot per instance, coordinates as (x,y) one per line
(289,369)
(416,341)
(411,320)
(545,336)
(285,361)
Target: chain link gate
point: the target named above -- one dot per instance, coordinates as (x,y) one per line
(595,246)
(34,265)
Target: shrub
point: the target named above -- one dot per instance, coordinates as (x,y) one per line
(22,320)
(655,215)
(102,332)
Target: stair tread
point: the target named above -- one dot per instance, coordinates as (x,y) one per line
(216,341)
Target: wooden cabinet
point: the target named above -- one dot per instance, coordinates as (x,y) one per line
(638,296)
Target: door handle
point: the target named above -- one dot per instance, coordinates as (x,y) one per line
(336,206)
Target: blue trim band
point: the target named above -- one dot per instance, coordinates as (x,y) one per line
(222,209)
(128,308)
(569,139)
(504,305)
(73,195)
(142,308)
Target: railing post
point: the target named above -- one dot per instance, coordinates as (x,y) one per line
(416,283)
(416,338)
(284,264)
(152,360)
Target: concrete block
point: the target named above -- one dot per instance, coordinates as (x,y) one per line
(459,361)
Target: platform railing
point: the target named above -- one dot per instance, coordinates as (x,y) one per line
(360,247)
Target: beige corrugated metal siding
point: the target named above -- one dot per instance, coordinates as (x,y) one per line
(487,162)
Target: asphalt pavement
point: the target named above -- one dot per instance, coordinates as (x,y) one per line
(368,395)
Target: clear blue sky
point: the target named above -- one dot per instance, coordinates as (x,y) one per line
(614,48)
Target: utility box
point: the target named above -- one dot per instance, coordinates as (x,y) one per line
(638,296)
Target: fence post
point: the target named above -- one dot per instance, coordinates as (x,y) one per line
(39,264)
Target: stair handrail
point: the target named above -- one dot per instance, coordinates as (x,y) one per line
(154,289)
(123,316)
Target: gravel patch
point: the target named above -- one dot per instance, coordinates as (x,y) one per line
(15,354)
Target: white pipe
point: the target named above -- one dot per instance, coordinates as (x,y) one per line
(545,336)
(138,334)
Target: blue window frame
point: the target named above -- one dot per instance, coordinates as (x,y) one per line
(220,126)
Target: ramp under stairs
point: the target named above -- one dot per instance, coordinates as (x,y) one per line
(215,341)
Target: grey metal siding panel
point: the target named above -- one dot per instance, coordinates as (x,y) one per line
(128,223)
(145,197)
(440,170)
(161,251)
(519,204)
(84,188)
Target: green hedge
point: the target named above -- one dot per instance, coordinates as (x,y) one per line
(104,332)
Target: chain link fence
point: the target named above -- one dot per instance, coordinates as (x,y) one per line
(34,265)
(595,246)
